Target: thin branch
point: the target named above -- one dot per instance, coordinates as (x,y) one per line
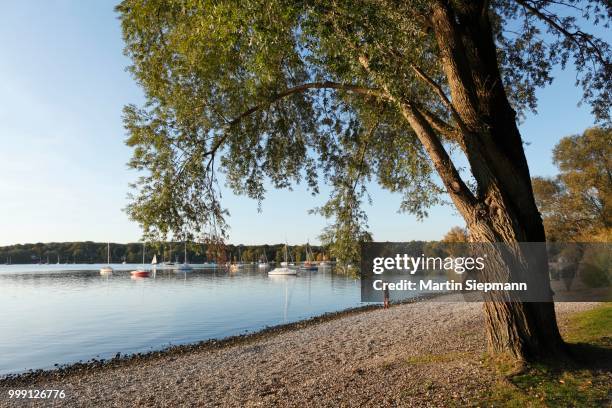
(591,45)
(363,154)
(440,92)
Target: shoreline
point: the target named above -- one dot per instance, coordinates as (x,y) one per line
(417,354)
(122,360)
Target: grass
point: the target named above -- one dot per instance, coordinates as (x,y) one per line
(593,327)
(585,382)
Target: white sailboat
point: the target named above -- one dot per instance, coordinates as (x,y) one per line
(283,270)
(169,262)
(264,264)
(184,267)
(154,261)
(105,270)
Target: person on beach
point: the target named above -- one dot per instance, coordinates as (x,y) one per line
(386,298)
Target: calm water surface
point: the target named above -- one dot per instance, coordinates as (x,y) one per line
(57,314)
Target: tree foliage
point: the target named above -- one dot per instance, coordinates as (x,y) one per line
(283,92)
(577,204)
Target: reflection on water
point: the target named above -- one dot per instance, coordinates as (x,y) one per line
(63,313)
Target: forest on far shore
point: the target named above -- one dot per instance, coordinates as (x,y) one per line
(95,252)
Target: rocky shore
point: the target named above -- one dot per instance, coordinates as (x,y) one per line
(417,355)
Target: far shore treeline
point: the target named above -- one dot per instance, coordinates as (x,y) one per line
(95,252)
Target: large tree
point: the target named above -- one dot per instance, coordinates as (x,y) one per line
(577,204)
(355,91)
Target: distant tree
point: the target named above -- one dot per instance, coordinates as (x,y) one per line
(577,204)
(452,242)
(456,234)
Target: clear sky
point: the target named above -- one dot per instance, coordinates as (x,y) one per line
(63,175)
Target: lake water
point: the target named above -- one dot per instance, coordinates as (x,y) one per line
(66,313)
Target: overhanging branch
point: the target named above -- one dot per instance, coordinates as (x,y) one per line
(304,87)
(373,92)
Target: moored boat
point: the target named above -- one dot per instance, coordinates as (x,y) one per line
(184,267)
(283,270)
(309,265)
(263,261)
(140,272)
(107,269)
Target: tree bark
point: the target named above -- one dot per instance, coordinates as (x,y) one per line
(505,209)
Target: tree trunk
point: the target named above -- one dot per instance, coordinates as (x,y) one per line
(505,209)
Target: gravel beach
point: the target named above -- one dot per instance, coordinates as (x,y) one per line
(415,355)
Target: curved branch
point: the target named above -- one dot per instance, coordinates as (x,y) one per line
(304,87)
(296,89)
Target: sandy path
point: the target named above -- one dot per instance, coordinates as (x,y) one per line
(421,355)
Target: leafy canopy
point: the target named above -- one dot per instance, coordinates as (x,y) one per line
(286,91)
(577,204)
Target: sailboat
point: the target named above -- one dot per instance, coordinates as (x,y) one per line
(169,262)
(265,263)
(238,265)
(105,269)
(154,261)
(283,270)
(309,265)
(184,267)
(141,272)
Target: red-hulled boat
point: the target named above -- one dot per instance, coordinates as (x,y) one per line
(140,273)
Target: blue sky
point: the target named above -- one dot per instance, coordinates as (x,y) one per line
(63,175)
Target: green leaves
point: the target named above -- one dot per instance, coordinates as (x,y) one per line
(576,204)
(226,91)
